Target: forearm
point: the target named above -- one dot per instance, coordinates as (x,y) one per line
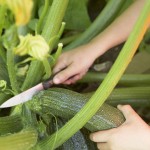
(118,31)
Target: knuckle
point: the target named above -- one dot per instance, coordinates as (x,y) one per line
(126,107)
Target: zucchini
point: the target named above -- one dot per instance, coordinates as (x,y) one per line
(66,103)
(78,141)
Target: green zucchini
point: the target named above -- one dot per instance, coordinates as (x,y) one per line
(78,141)
(66,103)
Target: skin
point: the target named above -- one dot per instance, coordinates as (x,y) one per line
(77,61)
(134,133)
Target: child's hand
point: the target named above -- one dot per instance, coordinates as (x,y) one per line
(75,64)
(133,134)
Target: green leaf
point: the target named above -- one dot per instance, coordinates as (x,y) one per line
(77,17)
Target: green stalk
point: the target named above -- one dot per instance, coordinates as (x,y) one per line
(68,39)
(23,140)
(135,96)
(102,21)
(2,53)
(34,74)
(12,71)
(44,12)
(126,79)
(47,67)
(58,51)
(50,30)
(54,19)
(130,93)
(102,93)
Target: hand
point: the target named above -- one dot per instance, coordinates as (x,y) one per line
(74,64)
(133,134)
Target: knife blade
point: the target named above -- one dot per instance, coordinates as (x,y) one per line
(28,94)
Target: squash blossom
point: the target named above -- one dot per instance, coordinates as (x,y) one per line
(21,9)
(35,46)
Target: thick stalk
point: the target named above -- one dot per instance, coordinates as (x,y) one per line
(45,9)
(54,19)
(69,39)
(12,71)
(34,74)
(134,96)
(101,22)
(102,93)
(23,140)
(126,79)
(2,53)
(129,93)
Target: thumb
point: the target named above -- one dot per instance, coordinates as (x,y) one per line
(127,111)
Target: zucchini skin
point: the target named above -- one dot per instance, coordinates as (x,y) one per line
(78,141)
(66,103)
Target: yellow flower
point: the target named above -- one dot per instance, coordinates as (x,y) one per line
(35,46)
(21,9)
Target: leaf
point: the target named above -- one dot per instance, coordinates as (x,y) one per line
(77,17)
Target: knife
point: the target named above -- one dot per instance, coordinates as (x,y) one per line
(27,95)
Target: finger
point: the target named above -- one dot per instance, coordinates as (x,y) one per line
(65,74)
(72,79)
(60,65)
(102,136)
(127,111)
(103,146)
(75,78)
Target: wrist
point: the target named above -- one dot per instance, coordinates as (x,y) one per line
(98,47)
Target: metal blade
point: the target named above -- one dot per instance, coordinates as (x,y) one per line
(22,97)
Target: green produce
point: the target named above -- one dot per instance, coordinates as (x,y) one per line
(66,103)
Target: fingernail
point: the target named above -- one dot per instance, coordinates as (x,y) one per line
(56,80)
(119,106)
(91,136)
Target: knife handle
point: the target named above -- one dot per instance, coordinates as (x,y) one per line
(48,83)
